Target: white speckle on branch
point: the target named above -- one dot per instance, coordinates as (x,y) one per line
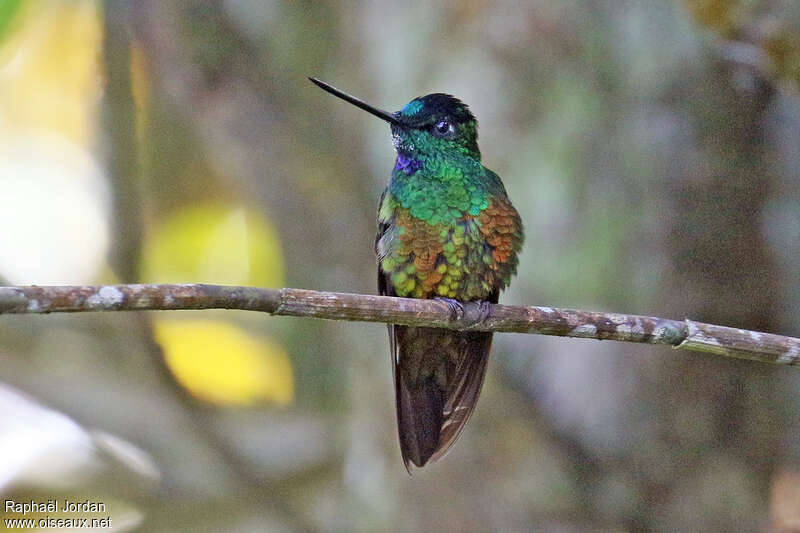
(584,330)
(106,297)
(617,318)
(790,357)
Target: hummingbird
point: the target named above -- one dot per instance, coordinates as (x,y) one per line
(446,229)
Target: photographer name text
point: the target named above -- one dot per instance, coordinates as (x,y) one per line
(54,506)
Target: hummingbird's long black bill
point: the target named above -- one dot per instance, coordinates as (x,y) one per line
(385,115)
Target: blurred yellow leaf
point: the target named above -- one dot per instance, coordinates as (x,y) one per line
(49,91)
(49,69)
(221,363)
(215,244)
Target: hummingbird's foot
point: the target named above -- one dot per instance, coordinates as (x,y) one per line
(456,307)
(476,313)
(484,311)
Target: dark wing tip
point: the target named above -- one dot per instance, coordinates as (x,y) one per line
(430,415)
(420,412)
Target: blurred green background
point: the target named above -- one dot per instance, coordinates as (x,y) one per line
(652,149)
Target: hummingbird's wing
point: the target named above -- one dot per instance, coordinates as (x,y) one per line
(384,285)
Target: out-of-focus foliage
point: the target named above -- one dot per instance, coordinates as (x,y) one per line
(724,16)
(652,149)
(214,244)
(140,90)
(49,92)
(46,449)
(221,363)
(8,9)
(761,35)
(782,45)
(50,79)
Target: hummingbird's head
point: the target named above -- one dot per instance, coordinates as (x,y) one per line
(436,123)
(429,125)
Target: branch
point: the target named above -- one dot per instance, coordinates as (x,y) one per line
(481,316)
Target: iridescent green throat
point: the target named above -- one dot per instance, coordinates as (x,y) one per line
(439,190)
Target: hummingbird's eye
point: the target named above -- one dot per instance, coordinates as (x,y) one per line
(444,128)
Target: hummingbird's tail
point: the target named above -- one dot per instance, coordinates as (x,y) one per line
(438,374)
